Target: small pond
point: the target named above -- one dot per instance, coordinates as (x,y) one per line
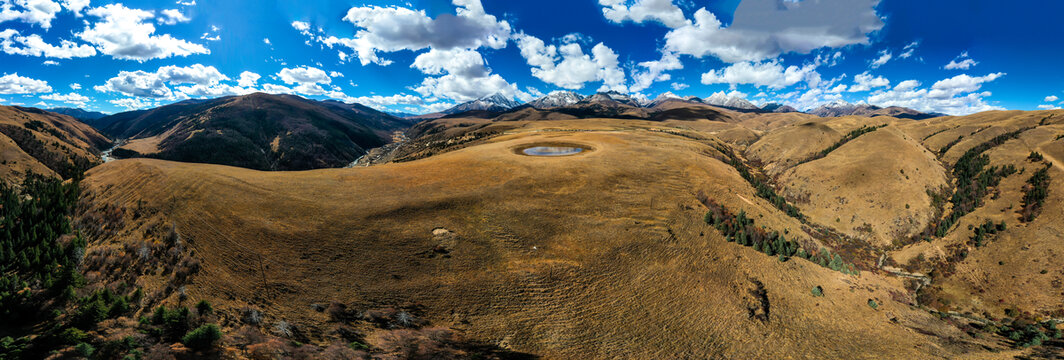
(551,149)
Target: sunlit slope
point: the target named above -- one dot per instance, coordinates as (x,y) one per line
(45,143)
(598,255)
(873,187)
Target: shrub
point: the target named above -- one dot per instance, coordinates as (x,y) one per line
(203,307)
(873,304)
(203,338)
(84,349)
(818,291)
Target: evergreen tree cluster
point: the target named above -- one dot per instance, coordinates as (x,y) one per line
(845,139)
(36,260)
(764,190)
(973,180)
(983,231)
(740,229)
(1034,194)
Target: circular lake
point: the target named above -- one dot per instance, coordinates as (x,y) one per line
(552,150)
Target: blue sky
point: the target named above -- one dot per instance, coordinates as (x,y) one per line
(949,56)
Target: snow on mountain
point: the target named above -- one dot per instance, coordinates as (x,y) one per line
(556,99)
(495,102)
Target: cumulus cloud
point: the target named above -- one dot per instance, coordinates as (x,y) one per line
(307,80)
(959,84)
(71,98)
(123,33)
(655,70)
(13,42)
(961,62)
(155,84)
(378,101)
(680,86)
(959,95)
(14,84)
(1048,107)
(37,12)
(248,79)
(75,6)
(567,65)
(764,29)
(662,11)
(866,82)
(391,29)
(131,104)
(75,86)
(172,16)
(770,74)
(1051,98)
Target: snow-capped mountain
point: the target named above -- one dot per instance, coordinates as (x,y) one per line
(778,108)
(723,100)
(556,99)
(495,102)
(613,96)
(842,108)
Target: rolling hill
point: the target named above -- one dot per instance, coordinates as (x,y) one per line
(45,143)
(619,251)
(257,131)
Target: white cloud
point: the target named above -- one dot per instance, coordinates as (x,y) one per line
(959,84)
(75,6)
(391,29)
(248,79)
(187,3)
(133,103)
(378,101)
(304,75)
(958,95)
(14,84)
(50,63)
(866,82)
(307,81)
(172,16)
(266,41)
(769,73)
(154,84)
(655,71)
(1051,98)
(12,42)
(961,62)
(336,74)
(907,85)
(38,12)
(909,50)
(679,86)
(71,98)
(764,29)
(884,57)
(567,65)
(662,11)
(1048,107)
(124,34)
(75,86)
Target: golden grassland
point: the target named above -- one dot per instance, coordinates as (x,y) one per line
(605,254)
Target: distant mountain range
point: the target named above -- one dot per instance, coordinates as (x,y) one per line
(84,115)
(257,131)
(576,104)
(843,108)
